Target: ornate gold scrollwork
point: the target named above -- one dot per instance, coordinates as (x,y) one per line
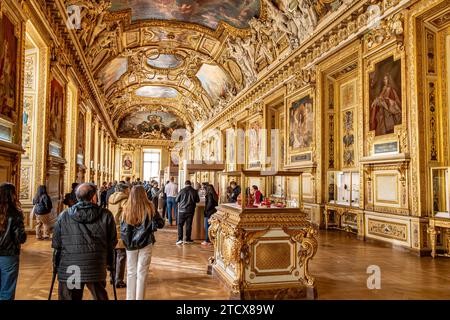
(307,238)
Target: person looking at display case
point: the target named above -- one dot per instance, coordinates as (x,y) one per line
(257,195)
(235,192)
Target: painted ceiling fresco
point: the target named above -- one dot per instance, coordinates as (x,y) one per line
(205,12)
(113,71)
(165,61)
(150,125)
(157,92)
(213,80)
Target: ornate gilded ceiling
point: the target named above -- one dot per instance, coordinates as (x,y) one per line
(190,58)
(208,13)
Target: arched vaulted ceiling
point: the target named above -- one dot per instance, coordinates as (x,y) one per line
(163,55)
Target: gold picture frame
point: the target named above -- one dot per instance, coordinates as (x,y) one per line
(378,60)
(300,139)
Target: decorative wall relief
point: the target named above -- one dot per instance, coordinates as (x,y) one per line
(27,120)
(431,52)
(385,97)
(433,121)
(331,141)
(56,111)
(8,69)
(348,139)
(29,81)
(386,229)
(25,176)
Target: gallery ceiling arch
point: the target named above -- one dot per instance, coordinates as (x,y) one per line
(188,56)
(165,52)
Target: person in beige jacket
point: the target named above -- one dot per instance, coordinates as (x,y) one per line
(116,203)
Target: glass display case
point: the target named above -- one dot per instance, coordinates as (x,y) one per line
(280,190)
(343,188)
(441,196)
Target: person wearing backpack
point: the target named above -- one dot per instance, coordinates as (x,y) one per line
(12,235)
(42,210)
(116,203)
(85,236)
(139,222)
(70,198)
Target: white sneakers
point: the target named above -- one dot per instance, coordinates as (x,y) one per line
(180,242)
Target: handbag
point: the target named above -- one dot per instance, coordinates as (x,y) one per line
(157,222)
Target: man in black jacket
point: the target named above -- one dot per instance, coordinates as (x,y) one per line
(187,200)
(84,239)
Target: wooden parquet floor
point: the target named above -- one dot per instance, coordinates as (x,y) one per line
(179,272)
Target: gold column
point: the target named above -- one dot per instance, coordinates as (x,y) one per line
(101,156)
(97,151)
(88,157)
(71,127)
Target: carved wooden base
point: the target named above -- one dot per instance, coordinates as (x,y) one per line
(295,291)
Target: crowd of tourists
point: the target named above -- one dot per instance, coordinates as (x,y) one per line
(107,228)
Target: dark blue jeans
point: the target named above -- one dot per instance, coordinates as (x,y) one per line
(9,271)
(172,204)
(206,229)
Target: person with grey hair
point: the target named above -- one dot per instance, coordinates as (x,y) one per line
(116,203)
(85,238)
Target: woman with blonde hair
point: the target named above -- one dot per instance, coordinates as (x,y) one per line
(139,221)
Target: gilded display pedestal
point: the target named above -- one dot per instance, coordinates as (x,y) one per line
(259,254)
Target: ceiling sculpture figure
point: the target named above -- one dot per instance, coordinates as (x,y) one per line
(189,57)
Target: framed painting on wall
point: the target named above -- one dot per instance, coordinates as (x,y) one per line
(56,111)
(9,50)
(300,129)
(385,96)
(127,163)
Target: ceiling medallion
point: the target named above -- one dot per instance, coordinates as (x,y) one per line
(164,61)
(157,92)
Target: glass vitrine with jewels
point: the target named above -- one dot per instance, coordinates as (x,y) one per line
(343,188)
(257,190)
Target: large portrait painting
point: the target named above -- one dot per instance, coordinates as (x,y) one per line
(8,69)
(385,100)
(150,125)
(56,111)
(205,12)
(301,124)
(254,144)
